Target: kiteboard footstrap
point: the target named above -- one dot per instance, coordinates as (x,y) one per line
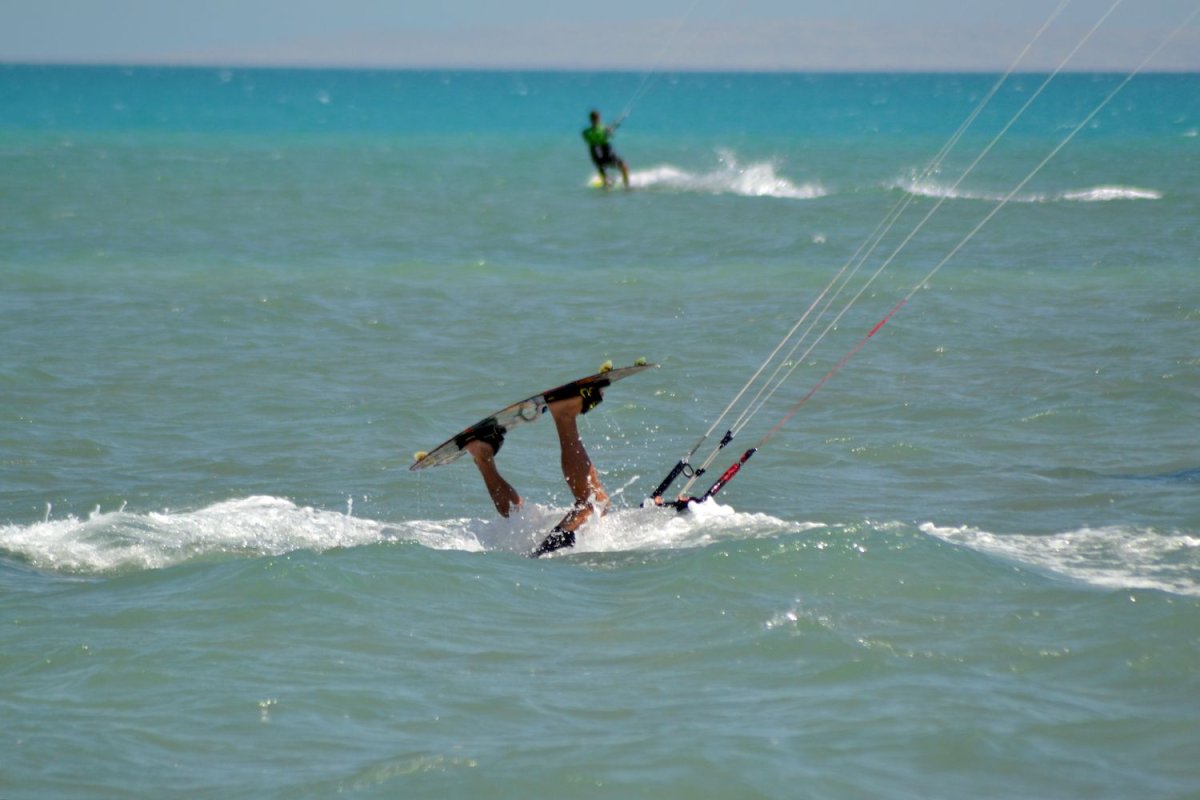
(591,395)
(488,432)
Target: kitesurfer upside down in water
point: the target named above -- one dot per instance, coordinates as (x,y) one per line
(599,141)
(577,468)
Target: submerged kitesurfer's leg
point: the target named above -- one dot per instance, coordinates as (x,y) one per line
(580,473)
(503,495)
(577,467)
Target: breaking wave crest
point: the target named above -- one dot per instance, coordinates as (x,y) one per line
(1111,558)
(108,542)
(1095,194)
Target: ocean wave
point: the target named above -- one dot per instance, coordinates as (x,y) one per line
(939,191)
(1101,194)
(1110,558)
(666,529)
(757,179)
(124,541)
(1095,194)
(621,530)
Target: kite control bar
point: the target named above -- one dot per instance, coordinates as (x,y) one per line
(677,470)
(682,467)
(682,503)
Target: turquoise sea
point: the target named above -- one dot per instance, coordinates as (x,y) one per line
(234,302)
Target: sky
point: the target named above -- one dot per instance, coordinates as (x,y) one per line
(800,35)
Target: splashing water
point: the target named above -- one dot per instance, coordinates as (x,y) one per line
(757,179)
(123,541)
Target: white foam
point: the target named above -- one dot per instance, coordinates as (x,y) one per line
(121,541)
(1101,194)
(1113,557)
(1094,194)
(937,190)
(758,179)
(667,529)
(621,530)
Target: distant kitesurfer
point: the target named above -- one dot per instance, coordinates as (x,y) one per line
(577,468)
(599,141)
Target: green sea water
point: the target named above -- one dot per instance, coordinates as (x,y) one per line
(233,303)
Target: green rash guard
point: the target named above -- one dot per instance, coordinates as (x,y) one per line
(596,136)
(599,142)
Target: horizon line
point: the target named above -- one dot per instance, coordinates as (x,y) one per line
(468,67)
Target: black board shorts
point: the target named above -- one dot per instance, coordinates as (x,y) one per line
(604,156)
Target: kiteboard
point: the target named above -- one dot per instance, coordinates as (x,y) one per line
(495,426)
(614,182)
